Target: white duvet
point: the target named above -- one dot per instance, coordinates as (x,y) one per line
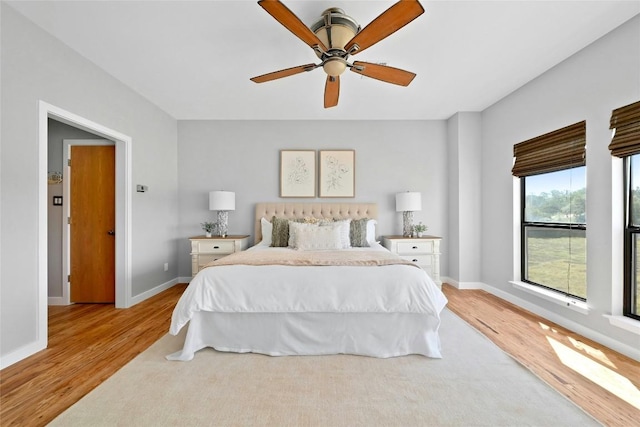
(390,310)
(322,289)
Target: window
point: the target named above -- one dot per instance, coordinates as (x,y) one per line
(554,250)
(552,169)
(631,305)
(626,144)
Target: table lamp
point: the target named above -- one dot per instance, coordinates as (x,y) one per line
(407,203)
(223,202)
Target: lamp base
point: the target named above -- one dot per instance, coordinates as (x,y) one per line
(407,223)
(223,220)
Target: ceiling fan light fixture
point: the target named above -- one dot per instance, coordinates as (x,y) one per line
(334,66)
(336,36)
(335,29)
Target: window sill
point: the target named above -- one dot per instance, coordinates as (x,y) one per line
(623,322)
(563,300)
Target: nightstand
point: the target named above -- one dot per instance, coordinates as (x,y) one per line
(207,249)
(423,251)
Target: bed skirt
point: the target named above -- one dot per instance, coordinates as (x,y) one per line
(281,334)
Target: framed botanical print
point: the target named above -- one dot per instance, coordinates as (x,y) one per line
(297,173)
(337,173)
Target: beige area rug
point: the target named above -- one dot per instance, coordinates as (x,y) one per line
(475,384)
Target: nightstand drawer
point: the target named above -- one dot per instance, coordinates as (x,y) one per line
(415,247)
(421,260)
(208,249)
(423,251)
(216,247)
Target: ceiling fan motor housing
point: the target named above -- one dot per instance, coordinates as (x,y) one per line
(335,29)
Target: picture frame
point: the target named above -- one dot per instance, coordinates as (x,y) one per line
(297,173)
(337,173)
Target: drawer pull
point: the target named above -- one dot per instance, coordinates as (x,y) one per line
(415,247)
(216,247)
(414,260)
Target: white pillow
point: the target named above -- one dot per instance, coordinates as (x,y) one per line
(267,231)
(344,227)
(319,238)
(294,227)
(371,231)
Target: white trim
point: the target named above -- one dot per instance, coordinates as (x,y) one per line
(623,322)
(21,353)
(621,347)
(40,342)
(56,301)
(124,219)
(463,285)
(155,291)
(185,279)
(450,281)
(555,297)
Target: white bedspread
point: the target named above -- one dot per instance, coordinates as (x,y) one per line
(310,289)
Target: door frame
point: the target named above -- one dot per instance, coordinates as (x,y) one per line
(66,206)
(123,145)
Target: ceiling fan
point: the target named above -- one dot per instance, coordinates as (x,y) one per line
(335,36)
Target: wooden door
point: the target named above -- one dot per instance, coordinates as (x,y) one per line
(92,224)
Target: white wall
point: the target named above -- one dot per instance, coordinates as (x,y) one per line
(464,143)
(244,156)
(588,85)
(34,67)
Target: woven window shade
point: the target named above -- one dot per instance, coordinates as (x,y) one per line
(553,151)
(626,121)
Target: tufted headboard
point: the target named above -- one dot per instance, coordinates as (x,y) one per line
(315,210)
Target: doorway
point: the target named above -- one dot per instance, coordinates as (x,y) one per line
(123,214)
(89,249)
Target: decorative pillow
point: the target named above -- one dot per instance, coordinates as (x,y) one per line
(267,230)
(358,233)
(280,232)
(343,227)
(309,220)
(294,227)
(319,238)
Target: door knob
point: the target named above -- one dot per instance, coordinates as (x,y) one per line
(111,232)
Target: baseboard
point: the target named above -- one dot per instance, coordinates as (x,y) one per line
(56,301)
(155,291)
(596,336)
(186,279)
(463,285)
(21,353)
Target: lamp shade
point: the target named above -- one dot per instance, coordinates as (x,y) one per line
(408,201)
(222,201)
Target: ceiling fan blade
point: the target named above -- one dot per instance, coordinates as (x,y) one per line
(283,73)
(289,20)
(331,91)
(384,73)
(391,20)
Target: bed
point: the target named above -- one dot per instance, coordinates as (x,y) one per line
(313,300)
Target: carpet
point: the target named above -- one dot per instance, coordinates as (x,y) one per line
(474,384)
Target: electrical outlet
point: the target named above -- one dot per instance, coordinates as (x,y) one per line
(166,266)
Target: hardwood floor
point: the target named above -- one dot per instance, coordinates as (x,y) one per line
(595,377)
(88,343)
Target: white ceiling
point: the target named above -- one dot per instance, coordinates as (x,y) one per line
(194,59)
